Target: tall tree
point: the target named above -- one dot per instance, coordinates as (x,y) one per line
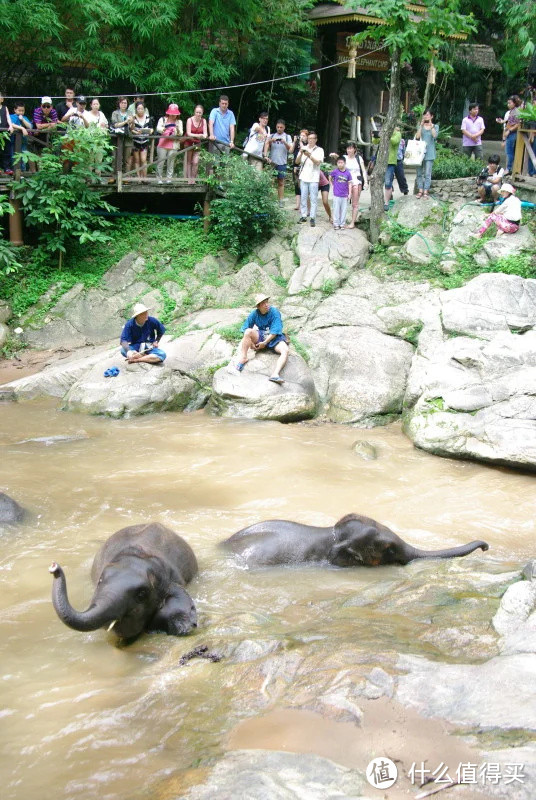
(406,35)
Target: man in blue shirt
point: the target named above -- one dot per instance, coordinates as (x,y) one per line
(262,330)
(141,336)
(222,125)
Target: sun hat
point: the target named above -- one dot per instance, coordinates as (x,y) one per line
(46,100)
(139,308)
(507,187)
(173,110)
(259,298)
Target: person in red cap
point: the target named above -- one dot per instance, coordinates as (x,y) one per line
(169,143)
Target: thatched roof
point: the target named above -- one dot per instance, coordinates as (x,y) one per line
(479,55)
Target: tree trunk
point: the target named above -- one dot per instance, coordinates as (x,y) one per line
(377,177)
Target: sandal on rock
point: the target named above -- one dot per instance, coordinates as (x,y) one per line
(419,195)
(113,372)
(276,379)
(240,366)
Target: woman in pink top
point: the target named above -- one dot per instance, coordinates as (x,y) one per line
(196,130)
(168,145)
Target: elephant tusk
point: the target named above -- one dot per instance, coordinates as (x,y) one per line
(110,626)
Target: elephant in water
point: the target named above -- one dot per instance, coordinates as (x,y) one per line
(139,576)
(10,511)
(353,541)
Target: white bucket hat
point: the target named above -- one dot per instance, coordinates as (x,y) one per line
(139,308)
(507,187)
(260,298)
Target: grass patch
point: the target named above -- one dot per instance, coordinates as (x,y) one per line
(231,333)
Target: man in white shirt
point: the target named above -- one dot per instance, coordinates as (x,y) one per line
(77,115)
(309,160)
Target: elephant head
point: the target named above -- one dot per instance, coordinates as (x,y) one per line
(129,594)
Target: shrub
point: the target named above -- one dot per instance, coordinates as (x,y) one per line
(451,164)
(248,213)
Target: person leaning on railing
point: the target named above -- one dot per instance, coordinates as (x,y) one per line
(119,127)
(20,122)
(168,145)
(197,130)
(140,127)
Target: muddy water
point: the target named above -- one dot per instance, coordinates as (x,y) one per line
(82,718)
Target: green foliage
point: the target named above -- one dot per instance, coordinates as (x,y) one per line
(452,164)
(528,114)
(9,259)
(249,213)
(522,264)
(60,204)
(300,348)
(231,333)
(328,288)
(399,233)
(12,346)
(520,23)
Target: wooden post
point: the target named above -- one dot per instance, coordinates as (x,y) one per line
(518,156)
(206,210)
(15,223)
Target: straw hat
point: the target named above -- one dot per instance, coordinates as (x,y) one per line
(139,308)
(260,298)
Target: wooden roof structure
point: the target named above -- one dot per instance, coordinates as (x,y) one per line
(333,13)
(479,55)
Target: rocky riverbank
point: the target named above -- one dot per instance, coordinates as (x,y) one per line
(459,365)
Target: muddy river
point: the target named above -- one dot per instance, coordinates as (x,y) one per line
(83,718)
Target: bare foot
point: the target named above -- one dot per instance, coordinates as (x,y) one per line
(350,226)
(500,233)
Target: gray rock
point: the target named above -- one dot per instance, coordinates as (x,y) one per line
(138,389)
(425,245)
(489,303)
(529,570)
(496,694)
(476,399)
(215,318)
(468,220)
(287,264)
(274,775)
(251,395)
(271,250)
(5,312)
(511,760)
(242,287)
(198,354)
(365,450)
(411,212)
(323,253)
(125,273)
(360,373)
(517,604)
(4,333)
(510,244)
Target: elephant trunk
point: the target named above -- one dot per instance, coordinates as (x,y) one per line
(95,617)
(449,552)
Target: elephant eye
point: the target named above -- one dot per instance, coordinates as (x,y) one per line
(142,594)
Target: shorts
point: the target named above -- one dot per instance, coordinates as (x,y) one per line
(281,170)
(139,146)
(156,351)
(280,337)
(487,189)
(324,188)
(389,176)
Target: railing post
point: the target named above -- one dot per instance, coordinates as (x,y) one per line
(517,167)
(206,209)
(18,149)
(15,223)
(119,162)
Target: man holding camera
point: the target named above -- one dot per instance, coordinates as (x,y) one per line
(77,116)
(309,158)
(277,148)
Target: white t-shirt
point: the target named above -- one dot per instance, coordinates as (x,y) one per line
(357,169)
(76,118)
(510,209)
(309,172)
(93,119)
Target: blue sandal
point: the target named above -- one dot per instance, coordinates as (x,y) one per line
(276,379)
(113,372)
(240,366)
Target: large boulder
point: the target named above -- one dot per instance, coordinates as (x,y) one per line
(411,211)
(476,399)
(489,303)
(496,694)
(360,373)
(275,775)
(5,312)
(242,287)
(324,254)
(251,395)
(510,244)
(425,245)
(10,511)
(4,333)
(467,220)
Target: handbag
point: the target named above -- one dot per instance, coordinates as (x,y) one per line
(414,155)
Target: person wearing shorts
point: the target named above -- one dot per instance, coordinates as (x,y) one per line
(141,336)
(277,148)
(263,329)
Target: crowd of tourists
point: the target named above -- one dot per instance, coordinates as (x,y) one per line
(346,176)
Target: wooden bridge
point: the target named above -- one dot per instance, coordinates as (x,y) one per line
(121,181)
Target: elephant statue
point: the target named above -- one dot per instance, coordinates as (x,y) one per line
(139,575)
(352,542)
(10,511)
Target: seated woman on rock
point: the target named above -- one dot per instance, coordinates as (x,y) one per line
(141,336)
(507,217)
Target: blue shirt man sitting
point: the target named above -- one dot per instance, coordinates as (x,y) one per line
(141,336)
(263,329)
